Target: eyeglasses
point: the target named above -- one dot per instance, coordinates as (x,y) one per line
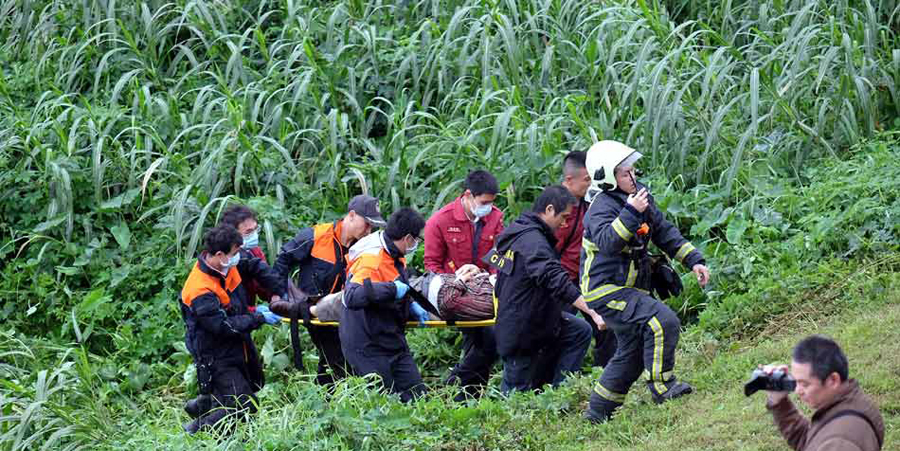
(256,230)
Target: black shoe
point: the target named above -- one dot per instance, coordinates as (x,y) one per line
(192,427)
(676,390)
(198,406)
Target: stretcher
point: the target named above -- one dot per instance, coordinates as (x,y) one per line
(414,324)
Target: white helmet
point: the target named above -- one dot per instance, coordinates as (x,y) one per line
(601,161)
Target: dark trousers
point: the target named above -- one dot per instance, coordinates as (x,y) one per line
(232,396)
(332,365)
(530,371)
(479,356)
(398,371)
(647,333)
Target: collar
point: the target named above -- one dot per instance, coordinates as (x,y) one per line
(209,269)
(844,394)
(544,228)
(459,211)
(390,247)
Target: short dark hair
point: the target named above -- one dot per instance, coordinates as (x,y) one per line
(222,238)
(481,182)
(556,195)
(574,161)
(236,214)
(824,355)
(402,222)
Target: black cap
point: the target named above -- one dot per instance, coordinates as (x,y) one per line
(367,207)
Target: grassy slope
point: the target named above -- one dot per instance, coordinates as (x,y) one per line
(864,307)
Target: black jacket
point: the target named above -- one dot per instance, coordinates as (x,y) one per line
(319,255)
(374,321)
(214,308)
(532,287)
(614,254)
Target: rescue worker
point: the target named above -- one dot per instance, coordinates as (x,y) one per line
(615,279)
(460,233)
(243,218)
(532,289)
(844,417)
(568,244)
(218,324)
(377,307)
(320,254)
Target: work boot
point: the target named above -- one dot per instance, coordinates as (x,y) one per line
(600,409)
(198,406)
(676,389)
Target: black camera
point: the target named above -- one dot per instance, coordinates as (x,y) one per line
(777,381)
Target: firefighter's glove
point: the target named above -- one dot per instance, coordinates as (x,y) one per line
(402,288)
(418,313)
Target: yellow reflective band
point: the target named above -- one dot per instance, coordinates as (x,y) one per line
(683,251)
(589,249)
(617,305)
(658,340)
(601,291)
(632,275)
(608,394)
(620,228)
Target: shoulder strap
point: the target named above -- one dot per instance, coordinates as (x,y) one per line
(855,413)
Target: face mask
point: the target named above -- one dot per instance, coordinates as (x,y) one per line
(412,250)
(482,210)
(251,241)
(232,262)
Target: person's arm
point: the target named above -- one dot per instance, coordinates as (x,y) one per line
(211,317)
(251,267)
(792,424)
(667,237)
(544,267)
(293,253)
(357,296)
(611,228)
(435,247)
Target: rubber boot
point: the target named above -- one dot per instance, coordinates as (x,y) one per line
(600,409)
(676,389)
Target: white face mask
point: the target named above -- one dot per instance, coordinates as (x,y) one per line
(480,210)
(413,249)
(251,240)
(232,262)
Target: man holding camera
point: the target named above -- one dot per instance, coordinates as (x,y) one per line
(844,419)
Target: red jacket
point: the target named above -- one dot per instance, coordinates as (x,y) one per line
(569,236)
(254,289)
(449,234)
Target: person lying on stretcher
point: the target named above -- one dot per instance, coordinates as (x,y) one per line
(466,295)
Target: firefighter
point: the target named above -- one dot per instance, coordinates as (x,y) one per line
(615,279)
(320,254)
(214,306)
(568,244)
(377,306)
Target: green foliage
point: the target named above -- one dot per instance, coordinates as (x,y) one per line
(127,127)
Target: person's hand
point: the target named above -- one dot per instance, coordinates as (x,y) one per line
(418,313)
(402,288)
(598,320)
(639,200)
(267,314)
(702,273)
(275,298)
(467,271)
(774,397)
